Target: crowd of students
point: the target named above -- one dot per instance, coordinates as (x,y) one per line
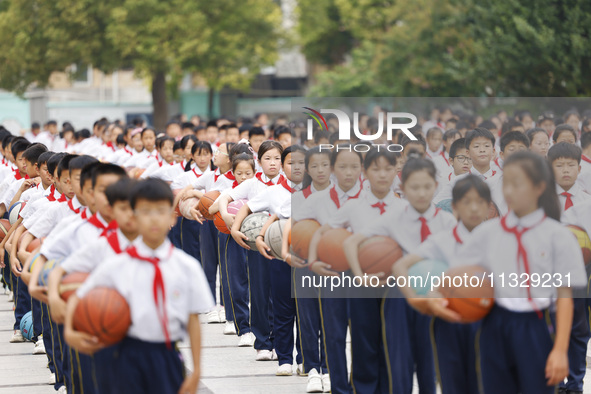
(493,194)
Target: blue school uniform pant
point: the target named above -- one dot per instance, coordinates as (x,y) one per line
(512,349)
(61,357)
(174,235)
(147,368)
(238,288)
(407,346)
(455,356)
(22,301)
(82,377)
(190,237)
(309,326)
(47,327)
(335,321)
(104,368)
(577,347)
(369,369)
(261,314)
(37,323)
(284,311)
(223,240)
(208,241)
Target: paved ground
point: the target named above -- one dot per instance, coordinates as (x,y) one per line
(226,368)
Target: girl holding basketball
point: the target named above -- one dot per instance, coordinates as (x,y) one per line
(406,331)
(277,201)
(321,206)
(523,342)
(453,343)
(257,274)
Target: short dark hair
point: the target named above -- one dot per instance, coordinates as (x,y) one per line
(150,189)
(33,152)
(281,130)
(375,153)
(19,146)
(563,128)
(512,136)
(479,132)
(269,145)
(120,190)
(434,130)
(256,131)
(35,126)
(460,143)
(414,164)
(564,150)
(488,124)
(44,158)
(107,169)
(468,183)
(53,162)
(320,135)
(86,173)
(531,133)
(585,140)
(64,164)
(80,162)
(212,123)
(419,140)
(291,149)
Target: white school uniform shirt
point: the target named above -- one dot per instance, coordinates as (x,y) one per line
(33,206)
(299,197)
(358,212)
(275,199)
(445,245)
(579,215)
(584,178)
(144,159)
(223,182)
(404,225)
(121,155)
(185,286)
(152,171)
(445,193)
(252,187)
(488,175)
(32,192)
(93,254)
(171,173)
(70,239)
(497,165)
(187,178)
(496,194)
(51,219)
(11,192)
(321,207)
(550,247)
(429,154)
(578,196)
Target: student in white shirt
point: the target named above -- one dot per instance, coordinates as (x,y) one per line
(565,160)
(434,139)
(453,343)
(481,147)
(539,141)
(147,358)
(164,160)
(520,348)
(461,163)
(405,331)
(584,178)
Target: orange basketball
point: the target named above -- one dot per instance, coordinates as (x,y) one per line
(219,223)
(205,202)
(472,301)
(4,228)
(378,254)
(104,313)
(330,248)
(33,245)
(70,283)
(303,231)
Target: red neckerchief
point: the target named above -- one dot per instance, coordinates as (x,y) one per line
(216,176)
(113,240)
(307,191)
(444,158)
(195,172)
(425,230)
(230,175)
(71,206)
(522,253)
(497,163)
(128,151)
(381,206)
(285,185)
(585,158)
(569,201)
(110,145)
(18,176)
(84,214)
(259,176)
(94,220)
(157,287)
(62,198)
(449,177)
(400,176)
(456,236)
(51,195)
(334,196)
(235,184)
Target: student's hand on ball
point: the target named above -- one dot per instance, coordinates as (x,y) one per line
(438,307)
(197,215)
(228,219)
(15,266)
(322,268)
(83,342)
(240,238)
(263,248)
(556,367)
(38,292)
(295,261)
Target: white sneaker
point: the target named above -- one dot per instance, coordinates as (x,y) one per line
(17,337)
(300,370)
(264,355)
(314,382)
(213,317)
(246,340)
(6,291)
(62,390)
(274,355)
(284,370)
(51,380)
(222,315)
(10,296)
(326,383)
(229,328)
(39,346)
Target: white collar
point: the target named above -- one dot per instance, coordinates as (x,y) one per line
(528,220)
(162,252)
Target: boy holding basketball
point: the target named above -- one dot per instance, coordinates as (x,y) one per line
(165,288)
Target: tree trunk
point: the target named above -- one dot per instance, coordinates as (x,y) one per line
(210,94)
(159,101)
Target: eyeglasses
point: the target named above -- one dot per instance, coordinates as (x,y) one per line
(463,158)
(220,152)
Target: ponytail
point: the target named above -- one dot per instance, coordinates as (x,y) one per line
(538,170)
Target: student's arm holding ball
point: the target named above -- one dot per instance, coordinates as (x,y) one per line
(236,234)
(316,266)
(191,382)
(289,258)
(263,248)
(81,341)
(351,249)
(222,205)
